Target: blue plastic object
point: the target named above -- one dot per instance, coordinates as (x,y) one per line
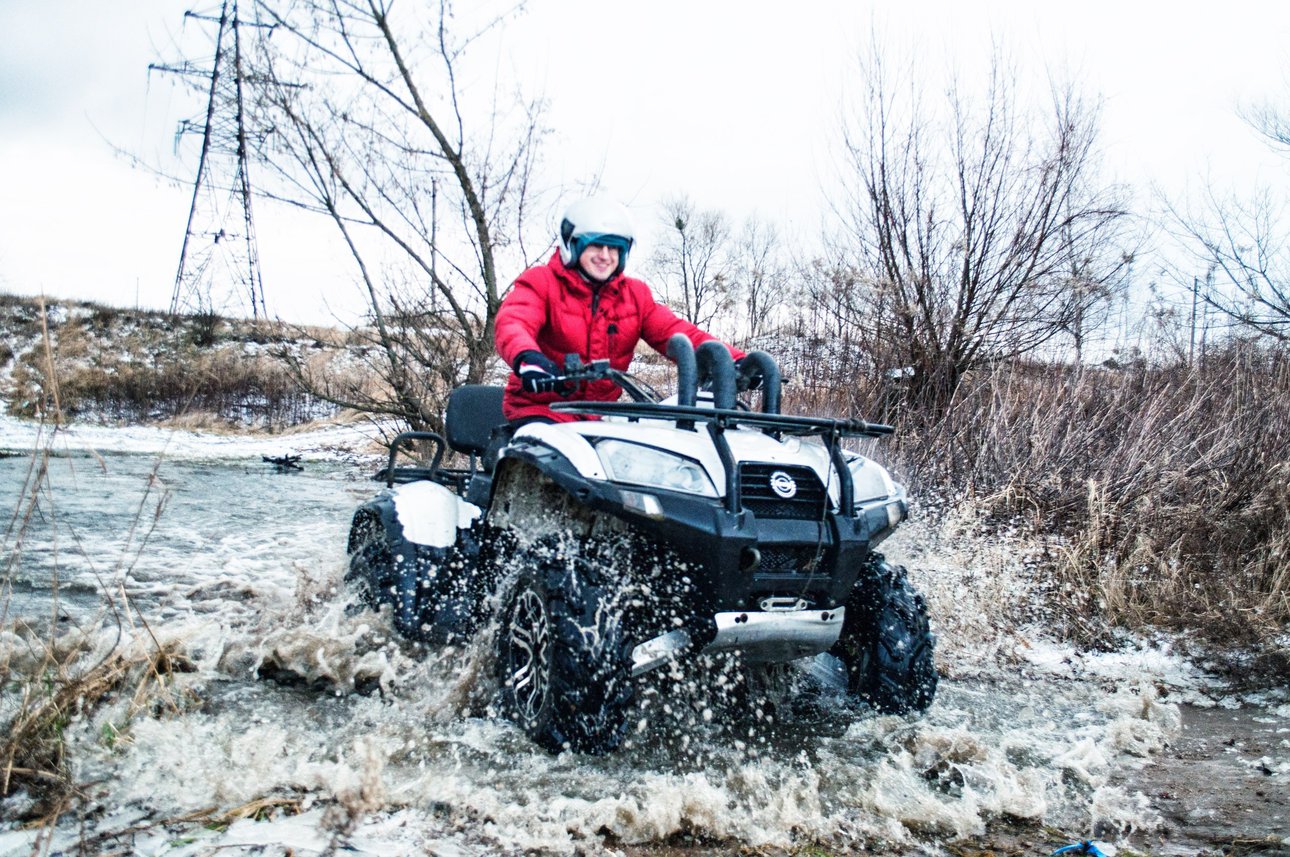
(1084,846)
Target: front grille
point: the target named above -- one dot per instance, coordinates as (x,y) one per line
(757,495)
(789,559)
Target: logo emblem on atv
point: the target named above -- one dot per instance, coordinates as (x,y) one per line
(782,484)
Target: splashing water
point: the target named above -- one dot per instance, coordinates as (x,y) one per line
(315,715)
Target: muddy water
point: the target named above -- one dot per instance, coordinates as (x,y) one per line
(350,739)
(1222,784)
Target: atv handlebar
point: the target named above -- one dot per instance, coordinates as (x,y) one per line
(597,370)
(714,369)
(719,371)
(576,372)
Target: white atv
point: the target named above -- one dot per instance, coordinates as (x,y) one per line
(660,530)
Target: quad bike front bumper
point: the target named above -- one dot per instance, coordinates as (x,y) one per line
(779,635)
(737,558)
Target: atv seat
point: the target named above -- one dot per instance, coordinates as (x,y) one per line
(474,425)
(473,412)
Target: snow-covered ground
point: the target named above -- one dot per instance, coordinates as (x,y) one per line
(332,441)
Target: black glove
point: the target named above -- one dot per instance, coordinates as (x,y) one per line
(537,372)
(746,377)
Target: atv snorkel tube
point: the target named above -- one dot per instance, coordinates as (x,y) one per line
(680,350)
(755,362)
(716,365)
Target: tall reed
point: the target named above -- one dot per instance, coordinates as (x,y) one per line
(54,669)
(1164,492)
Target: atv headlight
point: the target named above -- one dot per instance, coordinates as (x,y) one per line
(647,465)
(884,514)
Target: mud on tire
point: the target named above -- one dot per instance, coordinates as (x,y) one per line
(370,563)
(563,660)
(887,645)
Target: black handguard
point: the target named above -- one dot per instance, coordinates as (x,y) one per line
(537,372)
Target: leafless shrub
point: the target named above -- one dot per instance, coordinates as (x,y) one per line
(1241,243)
(407,366)
(138,366)
(977,230)
(1164,488)
(245,390)
(1239,239)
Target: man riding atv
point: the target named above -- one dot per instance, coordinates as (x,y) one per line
(580,302)
(600,540)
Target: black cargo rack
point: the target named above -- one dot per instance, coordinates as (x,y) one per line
(727,418)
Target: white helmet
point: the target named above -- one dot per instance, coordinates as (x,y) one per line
(596,220)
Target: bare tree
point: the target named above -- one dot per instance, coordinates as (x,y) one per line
(965,222)
(760,276)
(368,122)
(1273,122)
(1095,285)
(832,299)
(693,261)
(1242,243)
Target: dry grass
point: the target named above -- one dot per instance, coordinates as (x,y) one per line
(121,840)
(1165,491)
(138,366)
(59,690)
(59,674)
(247,390)
(52,672)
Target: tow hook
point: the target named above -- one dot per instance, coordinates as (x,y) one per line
(784,603)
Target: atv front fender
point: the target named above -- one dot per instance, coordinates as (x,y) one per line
(421,524)
(431,515)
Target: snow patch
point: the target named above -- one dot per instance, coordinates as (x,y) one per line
(329,443)
(431,514)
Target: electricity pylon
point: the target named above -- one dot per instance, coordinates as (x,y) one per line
(219,264)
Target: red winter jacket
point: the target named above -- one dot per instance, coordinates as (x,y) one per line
(554,310)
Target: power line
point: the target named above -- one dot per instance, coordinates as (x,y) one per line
(219,264)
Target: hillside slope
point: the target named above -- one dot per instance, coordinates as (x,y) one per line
(93,363)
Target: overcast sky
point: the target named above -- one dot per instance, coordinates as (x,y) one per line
(734,103)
